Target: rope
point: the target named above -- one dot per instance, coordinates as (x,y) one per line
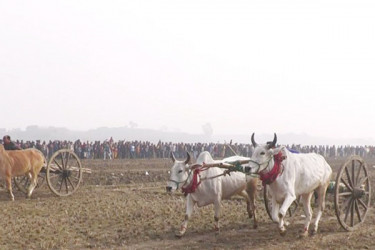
(179,182)
(193,185)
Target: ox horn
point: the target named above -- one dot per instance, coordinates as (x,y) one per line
(253,141)
(188,158)
(172,157)
(273,143)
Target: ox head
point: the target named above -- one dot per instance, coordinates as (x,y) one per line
(263,154)
(179,173)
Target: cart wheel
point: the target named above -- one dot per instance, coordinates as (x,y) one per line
(352,193)
(23,182)
(64,172)
(268,204)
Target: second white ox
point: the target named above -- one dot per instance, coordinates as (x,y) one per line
(213,188)
(290,175)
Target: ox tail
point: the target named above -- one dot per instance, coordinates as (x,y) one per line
(44,162)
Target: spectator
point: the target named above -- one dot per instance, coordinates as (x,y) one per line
(9,145)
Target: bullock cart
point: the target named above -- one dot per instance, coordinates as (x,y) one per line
(351,190)
(63,174)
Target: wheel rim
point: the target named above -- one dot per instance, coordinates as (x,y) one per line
(64,172)
(352,193)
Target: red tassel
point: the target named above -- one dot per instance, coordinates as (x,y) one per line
(193,185)
(269,177)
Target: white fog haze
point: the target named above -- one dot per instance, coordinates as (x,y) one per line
(188,71)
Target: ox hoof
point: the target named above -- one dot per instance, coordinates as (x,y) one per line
(282,232)
(313,232)
(286,223)
(179,234)
(303,234)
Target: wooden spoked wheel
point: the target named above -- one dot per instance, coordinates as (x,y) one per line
(64,172)
(352,193)
(268,203)
(23,182)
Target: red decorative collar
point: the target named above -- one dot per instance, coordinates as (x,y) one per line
(193,185)
(269,177)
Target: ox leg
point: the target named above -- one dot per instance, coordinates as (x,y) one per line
(275,210)
(189,211)
(9,187)
(217,205)
(252,194)
(245,195)
(321,205)
(306,201)
(250,206)
(282,212)
(33,183)
(275,207)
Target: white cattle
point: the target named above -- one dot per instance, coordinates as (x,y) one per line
(291,175)
(213,188)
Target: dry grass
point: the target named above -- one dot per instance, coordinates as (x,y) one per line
(118,206)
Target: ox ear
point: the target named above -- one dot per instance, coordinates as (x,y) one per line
(277,150)
(188,158)
(172,157)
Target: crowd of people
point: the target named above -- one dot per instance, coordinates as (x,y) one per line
(110,149)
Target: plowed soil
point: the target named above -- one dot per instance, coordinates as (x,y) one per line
(120,206)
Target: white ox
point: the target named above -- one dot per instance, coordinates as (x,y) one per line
(214,187)
(300,175)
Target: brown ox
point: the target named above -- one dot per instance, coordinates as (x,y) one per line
(19,163)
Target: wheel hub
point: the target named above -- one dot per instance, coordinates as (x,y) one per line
(66,173)
(358,193)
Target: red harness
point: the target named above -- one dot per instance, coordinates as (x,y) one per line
(269,177)
(193,185)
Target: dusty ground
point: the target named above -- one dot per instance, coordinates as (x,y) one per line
(119,207)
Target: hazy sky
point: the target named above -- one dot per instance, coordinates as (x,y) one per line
(242,66)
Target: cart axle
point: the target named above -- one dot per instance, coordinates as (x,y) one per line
(358,193)
(66,173)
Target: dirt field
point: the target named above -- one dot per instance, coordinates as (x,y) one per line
(119,207)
